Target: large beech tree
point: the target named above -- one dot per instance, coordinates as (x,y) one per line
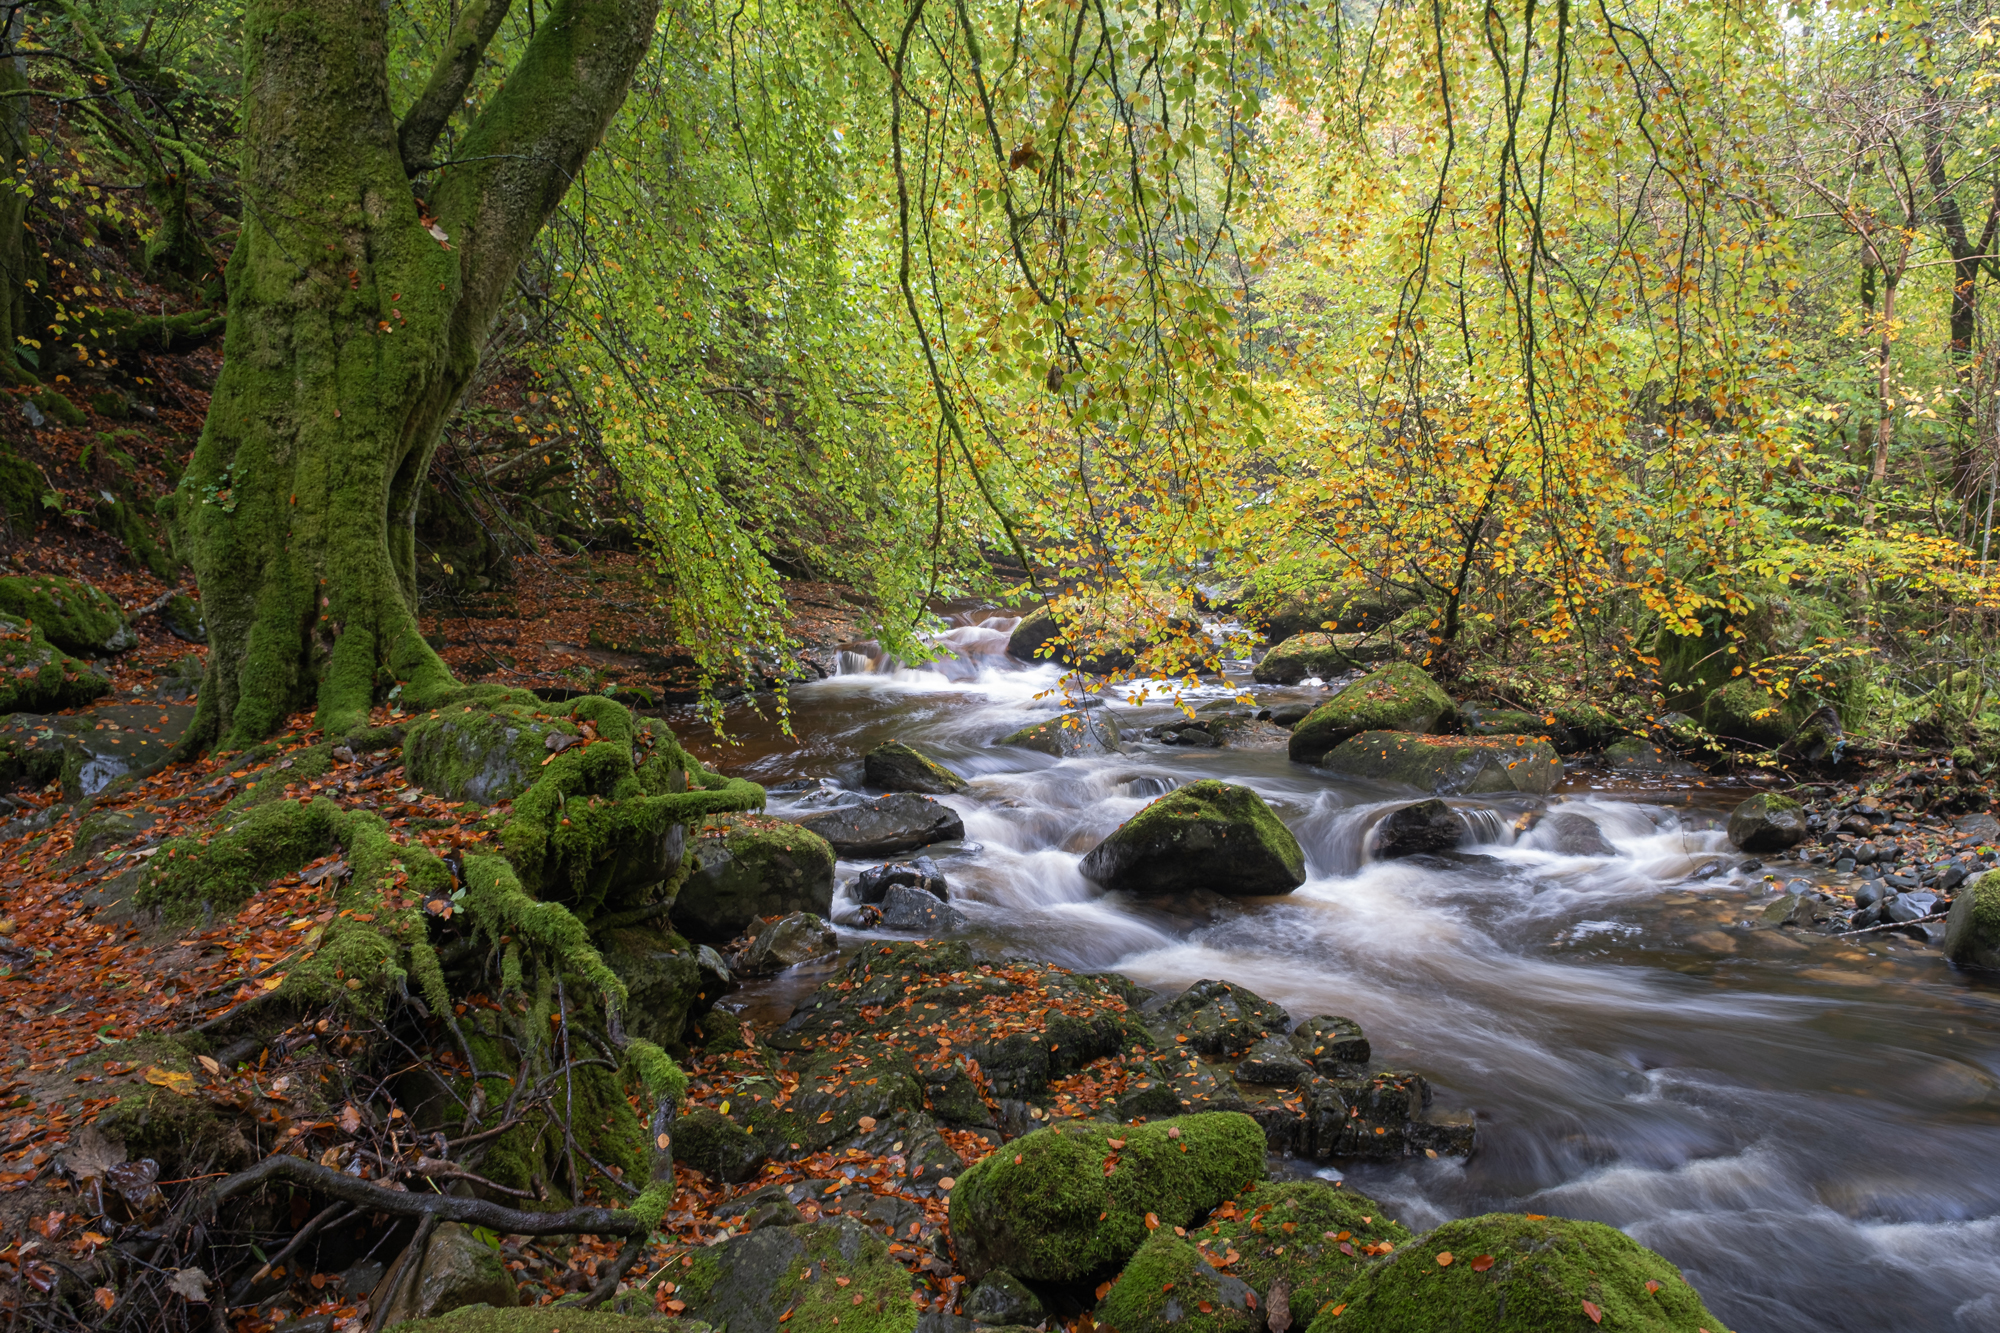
(363,286)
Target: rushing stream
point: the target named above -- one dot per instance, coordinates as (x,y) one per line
(1810,1127)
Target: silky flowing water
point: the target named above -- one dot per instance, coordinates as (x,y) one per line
(1809,1127)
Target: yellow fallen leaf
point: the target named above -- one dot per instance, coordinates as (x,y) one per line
(170,1080)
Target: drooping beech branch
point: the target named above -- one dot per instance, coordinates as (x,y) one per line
(456,66)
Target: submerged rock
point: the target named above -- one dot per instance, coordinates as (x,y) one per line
(1206,835)
(894,766)
(1767,822)
(1519,1273)
(898,822)
(1066,1204)
(1078,731)
(787,942)
(748,867)
(72,615)
(1449,765)
(1972,931)
(1397,697)
(1426,828)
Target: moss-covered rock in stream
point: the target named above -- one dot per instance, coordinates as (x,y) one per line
(1745,711)
(894,766)
(1036,638)
(72,615)
(1207,835)
(1972,931)
(1519,1273)
(1397,697)
(1077,731)
(1292,1245)
(1449,765)
(1767,822)
(1316,654)
(810,1277)
(38,677)
(1073,1201)
(1220,1018)
(744,868)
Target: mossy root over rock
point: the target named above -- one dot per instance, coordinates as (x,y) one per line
(1546,1275)
(1070,1202)
(1206,835)
(805,1277)
(73,616)
(1399,697)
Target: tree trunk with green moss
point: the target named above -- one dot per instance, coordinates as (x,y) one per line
(360,295)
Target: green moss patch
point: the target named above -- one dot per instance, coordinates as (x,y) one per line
(1972,931)
(743,868)
(38,677)
(824,1277)
(1397,697)
(1519,1273)
(1072,1201)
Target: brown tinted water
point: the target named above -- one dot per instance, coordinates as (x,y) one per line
(1809,1127)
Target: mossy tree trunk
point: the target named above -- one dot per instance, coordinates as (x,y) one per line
(358,305)
(14,267)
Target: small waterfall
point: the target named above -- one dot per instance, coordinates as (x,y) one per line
(1485,825)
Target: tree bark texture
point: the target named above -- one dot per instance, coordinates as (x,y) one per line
(353,331)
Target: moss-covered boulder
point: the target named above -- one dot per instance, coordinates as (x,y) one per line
(812,1277)
(1076,1200)
(1292,1246)
(1767,822)
(1397,697)
(1505,722)
(1519,1273)
(537,1319)
(458,1270)
(717,1146)
(1972,931)
(894,766)
(663,980)
(1317,654)
(744,868)
(1745,711)
(183,619)
(1078,731)
(1220,1018)
(38,677)
(485,755)
(72,615)
(1449,765)
(1207,835)
(1641,757)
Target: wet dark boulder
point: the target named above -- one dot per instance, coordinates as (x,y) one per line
(907,908)
(787,942)
(1426,828)
(1037,638)
(717,1146)
(874,883)
(898,822)
(1317,654)
(664,981)
(1207,835)
(894,766)
(1767,822)
(749,867)
(1573,834)
(1397,697)
(1331,1043)
(1218,1018)
(1001,1301)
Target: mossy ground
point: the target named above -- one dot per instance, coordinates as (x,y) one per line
(1520,1273)
(1064,1204)
(1397,697)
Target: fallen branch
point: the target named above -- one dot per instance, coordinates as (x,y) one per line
(1892,925)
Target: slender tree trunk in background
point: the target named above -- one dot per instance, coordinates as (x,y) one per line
(1885,421)
(353,331)
(1966,259)
(14,267)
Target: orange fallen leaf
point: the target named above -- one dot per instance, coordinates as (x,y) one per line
(1482,1263)
(1444,1259)
(1596,1315)
(1152,1222)
(1652,1285)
